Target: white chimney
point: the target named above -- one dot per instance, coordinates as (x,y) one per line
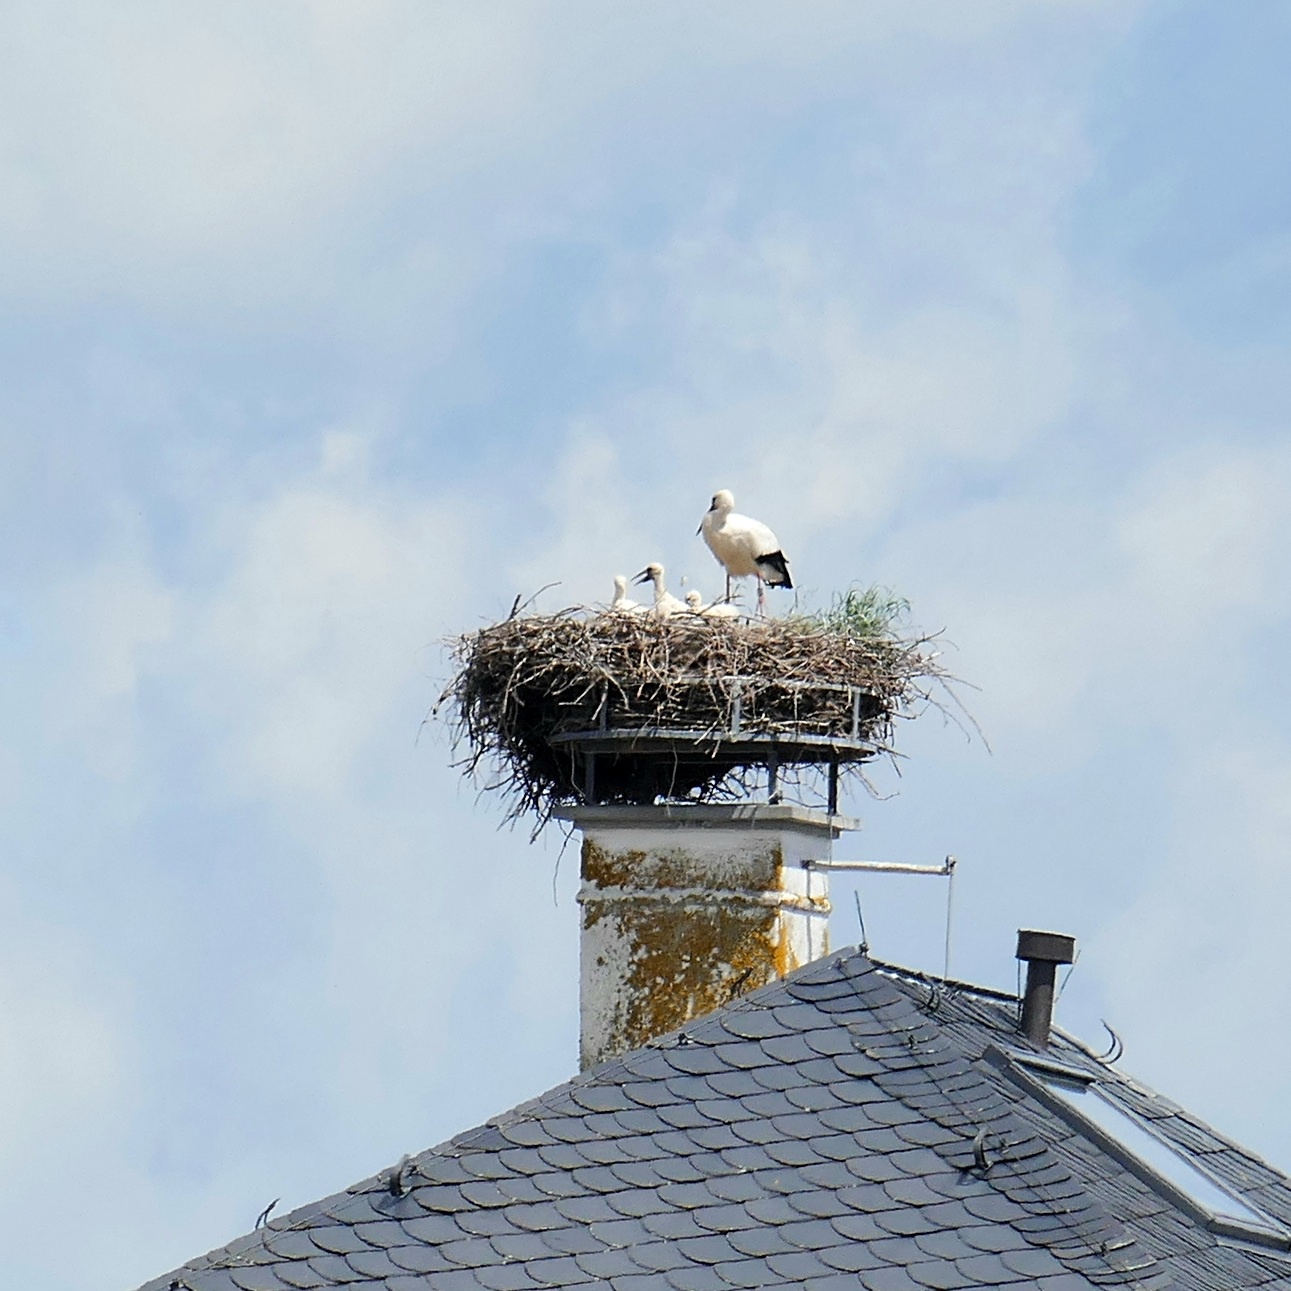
(687,907)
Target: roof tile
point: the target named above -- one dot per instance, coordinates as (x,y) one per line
(747,1273)
(300,1276)
(559,1271)
(658,1256)
(673,1224)
(691,1277)
(334,1269)
(796,1266)
(761,1241)
(418,1259)
(505,1277)
(258,1278)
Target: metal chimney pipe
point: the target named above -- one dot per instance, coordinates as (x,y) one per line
(1043,952)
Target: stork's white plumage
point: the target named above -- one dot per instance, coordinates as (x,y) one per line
(621,604)
(744,547)
(665,603)
(720,610)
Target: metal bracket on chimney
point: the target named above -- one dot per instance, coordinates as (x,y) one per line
(945,870)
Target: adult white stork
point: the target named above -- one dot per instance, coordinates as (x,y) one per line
(744,547)
(665,603)
(621,604)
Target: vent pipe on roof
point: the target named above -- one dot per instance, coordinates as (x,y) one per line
(1043,952)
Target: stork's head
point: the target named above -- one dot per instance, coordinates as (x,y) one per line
(652,573)
(723,502)
(620,585)
(694,600)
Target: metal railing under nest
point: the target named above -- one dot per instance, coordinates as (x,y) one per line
(772,742)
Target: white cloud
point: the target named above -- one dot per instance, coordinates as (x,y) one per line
(107,621)
(335,589)
(65,1060)
(1205,544)
(229,152)
(165,138)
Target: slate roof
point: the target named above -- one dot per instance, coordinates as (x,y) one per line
(851,1127)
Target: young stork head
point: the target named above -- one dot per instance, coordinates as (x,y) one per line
(652,573)
(723,502)
(694,600)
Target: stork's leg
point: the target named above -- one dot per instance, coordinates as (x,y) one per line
(728,587)
(762,599)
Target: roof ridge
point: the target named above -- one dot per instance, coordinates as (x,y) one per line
(952,983)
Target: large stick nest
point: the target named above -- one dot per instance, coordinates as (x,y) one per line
(682,700)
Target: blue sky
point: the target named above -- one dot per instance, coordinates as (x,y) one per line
(328,328)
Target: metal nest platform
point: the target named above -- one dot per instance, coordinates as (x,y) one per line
(600,708)
(642,764)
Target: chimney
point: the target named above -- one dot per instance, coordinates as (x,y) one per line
(1043,952)
(687,907)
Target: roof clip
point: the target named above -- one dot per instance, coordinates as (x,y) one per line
(980,1159)
(395,1183)
(1117,1050)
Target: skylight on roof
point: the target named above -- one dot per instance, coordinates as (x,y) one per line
(1161,1158)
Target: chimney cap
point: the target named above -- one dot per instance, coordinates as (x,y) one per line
(1048,947)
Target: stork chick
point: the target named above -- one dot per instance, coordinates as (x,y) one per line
(621,603)
(720,610)
(665,603)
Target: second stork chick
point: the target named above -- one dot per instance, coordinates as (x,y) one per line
(721,610)
(621,604)
(665,603)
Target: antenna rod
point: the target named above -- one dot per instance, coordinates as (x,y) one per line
(950,908)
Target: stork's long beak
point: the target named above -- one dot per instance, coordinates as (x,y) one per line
(642,577)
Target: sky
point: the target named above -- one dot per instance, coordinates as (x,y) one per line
(326,329)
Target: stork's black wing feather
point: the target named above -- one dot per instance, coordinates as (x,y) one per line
(774,567)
